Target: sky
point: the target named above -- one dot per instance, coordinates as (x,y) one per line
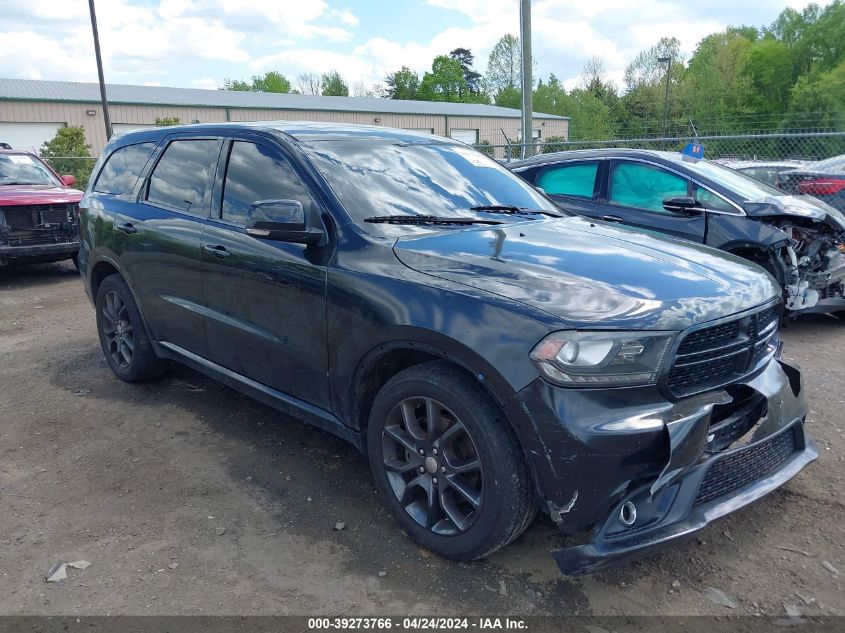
(199,43)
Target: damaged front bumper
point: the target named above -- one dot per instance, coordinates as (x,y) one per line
(640,472)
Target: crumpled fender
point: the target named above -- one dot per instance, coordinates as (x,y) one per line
(779,383)
(805,207)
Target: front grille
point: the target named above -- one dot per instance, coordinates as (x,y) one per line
(738,469)
(714,356)
(19,217)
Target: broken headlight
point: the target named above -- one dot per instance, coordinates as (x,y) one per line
(602,359)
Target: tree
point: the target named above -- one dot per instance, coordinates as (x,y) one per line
(445,82)
(333,85)
(68,153)
(167,121)
(359,89)
(504,65)
(271,81)
(402,84)
(509,97)
(466,59)
(308,83)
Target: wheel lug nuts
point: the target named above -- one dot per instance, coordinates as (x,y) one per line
(422,469)
(422,452)
(442,469)
(434,481)
(434,451)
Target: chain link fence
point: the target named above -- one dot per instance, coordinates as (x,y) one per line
(802,146)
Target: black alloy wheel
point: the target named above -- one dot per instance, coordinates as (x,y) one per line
(433,466)
(117,329)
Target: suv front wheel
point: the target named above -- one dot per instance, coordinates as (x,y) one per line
(123,336)
(447,464)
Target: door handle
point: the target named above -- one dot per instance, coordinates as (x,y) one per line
(128,228)
(218,250)
(612,218)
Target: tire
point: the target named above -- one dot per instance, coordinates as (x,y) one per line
(123,336)
(75,260)
(437,507)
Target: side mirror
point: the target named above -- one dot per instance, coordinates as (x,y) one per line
(282,220)
(69,180)
(682,204)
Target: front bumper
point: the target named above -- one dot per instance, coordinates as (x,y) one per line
(597,450)
(40,252)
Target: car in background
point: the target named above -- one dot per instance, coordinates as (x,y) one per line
(799,240)
(38,210)
(764,170)
(489,354)
(824,180)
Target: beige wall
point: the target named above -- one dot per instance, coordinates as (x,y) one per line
(489,128)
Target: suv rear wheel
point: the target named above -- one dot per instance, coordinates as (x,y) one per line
(447,464)
(122,334)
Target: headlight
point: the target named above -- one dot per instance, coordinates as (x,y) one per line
(596,359)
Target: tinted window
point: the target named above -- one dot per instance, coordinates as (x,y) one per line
(257,173)
(644,186)
(573,179)
(381,177)
(123,167)
(181,178)
(711,200)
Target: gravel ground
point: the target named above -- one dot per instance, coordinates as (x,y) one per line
(188,498)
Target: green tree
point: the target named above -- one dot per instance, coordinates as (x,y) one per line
(472,78)
(167,121)
(333,85)
(509,97)
(271,81)
(445,82)
(402,84)
(68,153)
(504,65)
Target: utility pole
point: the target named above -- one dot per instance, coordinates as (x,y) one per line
(527,83)
(668,62)
(106,118)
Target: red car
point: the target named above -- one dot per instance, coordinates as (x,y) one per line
(38,210)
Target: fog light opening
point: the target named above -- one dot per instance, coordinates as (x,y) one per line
(628,514)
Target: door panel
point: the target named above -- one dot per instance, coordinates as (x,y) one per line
(265,301)
(635,194)
(159,246)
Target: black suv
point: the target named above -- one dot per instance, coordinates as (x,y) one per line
(489,355)
(800,240)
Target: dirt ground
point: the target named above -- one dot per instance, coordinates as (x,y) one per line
(188,498)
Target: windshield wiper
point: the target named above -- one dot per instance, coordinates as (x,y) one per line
(512,210)
(426,219)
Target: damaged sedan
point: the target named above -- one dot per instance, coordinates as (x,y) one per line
(798,239)
(491,356)
(37,211)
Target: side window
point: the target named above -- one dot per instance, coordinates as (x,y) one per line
(570,179)
(180,179)
(710,200)
(255,173)
(644,186)
(122,168)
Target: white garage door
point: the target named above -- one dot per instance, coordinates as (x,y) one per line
(28,136)
(465,135)
(122,128)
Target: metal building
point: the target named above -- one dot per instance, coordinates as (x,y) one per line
(32,110)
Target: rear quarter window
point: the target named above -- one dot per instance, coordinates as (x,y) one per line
(123,168)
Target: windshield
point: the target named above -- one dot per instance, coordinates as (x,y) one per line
(380,178)
(23,169)
(746,186)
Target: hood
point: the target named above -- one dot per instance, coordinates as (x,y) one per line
(796,206)
(15,195)
(594,275)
